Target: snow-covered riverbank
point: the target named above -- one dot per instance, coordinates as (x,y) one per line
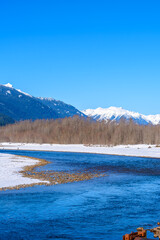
(10,168)
(12,165)
(126,150)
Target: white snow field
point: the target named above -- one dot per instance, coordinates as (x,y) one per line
(10,167)
(124,150)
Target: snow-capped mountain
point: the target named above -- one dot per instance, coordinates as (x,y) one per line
(19,105)
(115,114)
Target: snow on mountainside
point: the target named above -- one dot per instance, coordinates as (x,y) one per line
(115,114)
(8,85)
(11,86)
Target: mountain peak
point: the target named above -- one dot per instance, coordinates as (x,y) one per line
(8,85)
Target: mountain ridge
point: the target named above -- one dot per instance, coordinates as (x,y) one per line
(117,113)
(19,105)
(63,109)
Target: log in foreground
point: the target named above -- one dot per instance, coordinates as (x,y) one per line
(141,234)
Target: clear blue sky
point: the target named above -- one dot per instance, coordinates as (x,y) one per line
(87,53)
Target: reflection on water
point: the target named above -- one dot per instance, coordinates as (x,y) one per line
(102,208)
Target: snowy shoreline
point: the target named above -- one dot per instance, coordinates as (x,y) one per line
(140,150)
(11,167)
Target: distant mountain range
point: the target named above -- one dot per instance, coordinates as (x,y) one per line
(18,106)
(115,114)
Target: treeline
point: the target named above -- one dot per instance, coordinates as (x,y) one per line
(80,131)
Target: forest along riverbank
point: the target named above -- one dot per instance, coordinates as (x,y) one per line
(20,171)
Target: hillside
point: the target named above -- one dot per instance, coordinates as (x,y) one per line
(22,106)
(4,120)
(63,109)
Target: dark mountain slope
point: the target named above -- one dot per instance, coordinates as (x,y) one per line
(21,106)
(4,120)
(63,109)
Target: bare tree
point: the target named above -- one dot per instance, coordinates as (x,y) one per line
(78,130)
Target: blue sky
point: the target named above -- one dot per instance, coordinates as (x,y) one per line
(87,53)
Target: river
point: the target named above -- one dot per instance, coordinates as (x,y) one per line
(101,208)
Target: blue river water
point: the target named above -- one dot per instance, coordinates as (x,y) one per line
(101,208)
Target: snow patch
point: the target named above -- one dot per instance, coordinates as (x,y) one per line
(11,86)
(8,92)
(8,85)
(10,167)
(24,93)
(45,98)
